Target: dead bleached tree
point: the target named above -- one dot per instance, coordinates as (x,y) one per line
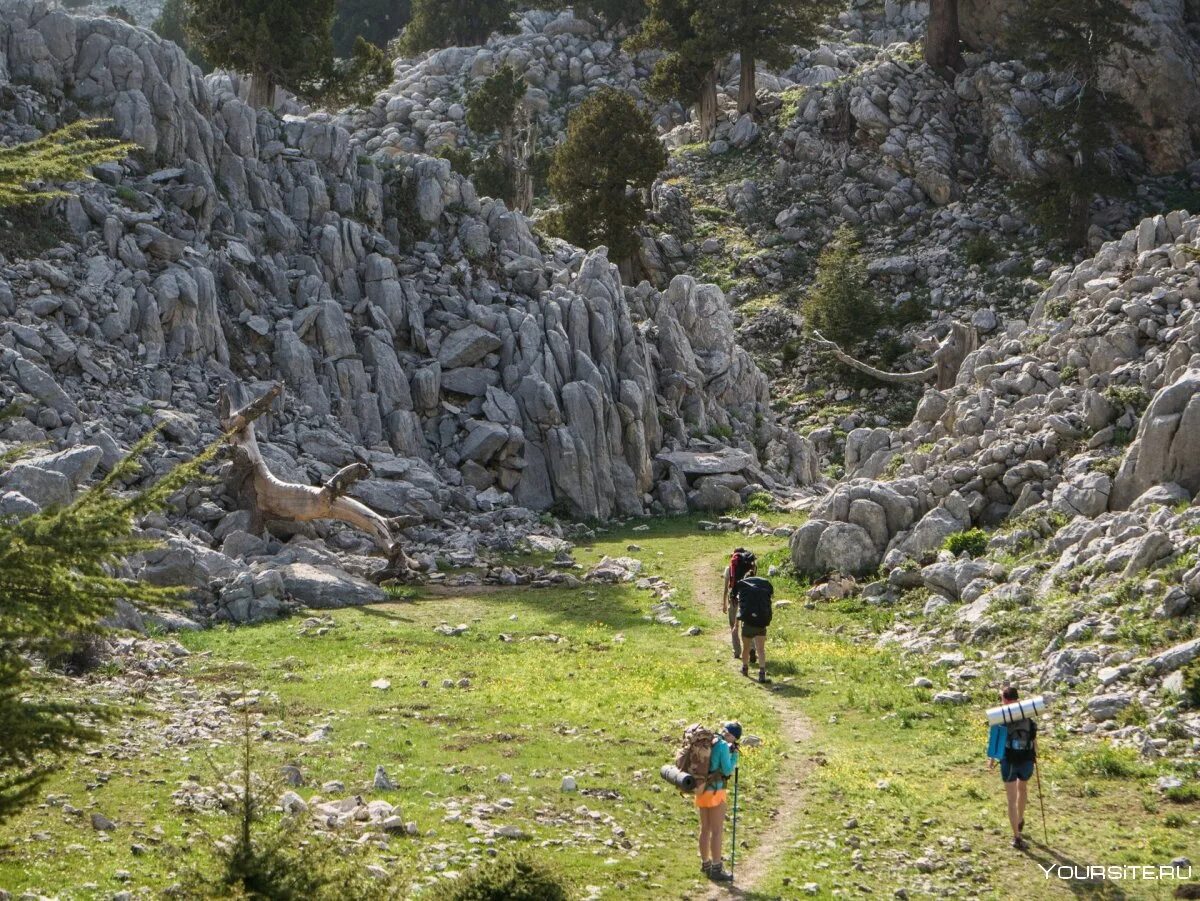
(947,359)
(268,497)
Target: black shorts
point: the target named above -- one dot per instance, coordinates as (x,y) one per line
(749,631)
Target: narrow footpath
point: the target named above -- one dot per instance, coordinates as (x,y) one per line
(795,729)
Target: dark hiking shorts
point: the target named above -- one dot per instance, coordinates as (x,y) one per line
(749,631)
(1011,772)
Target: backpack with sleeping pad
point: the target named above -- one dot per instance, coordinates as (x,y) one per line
(1018,747)
(695,754)
(754,601)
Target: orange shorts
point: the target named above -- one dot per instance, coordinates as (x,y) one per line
(706,800)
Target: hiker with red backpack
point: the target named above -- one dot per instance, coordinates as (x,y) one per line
(741,565)
(711,760)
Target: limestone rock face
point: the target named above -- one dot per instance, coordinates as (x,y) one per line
(1165,449)
(1163,84)
(482,373)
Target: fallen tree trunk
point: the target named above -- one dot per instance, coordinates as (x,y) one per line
(268,497)
(947,359)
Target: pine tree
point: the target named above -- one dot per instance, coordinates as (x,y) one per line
(684,30)
(355,81)
(1076,38)
(697,35)
(64,155)
(492,109)
(172,24)
(613,13)
(942,38)
(277,42)
(766,31)
(55,584)
(456,23)
(377,21)
(602,171)
(840,304)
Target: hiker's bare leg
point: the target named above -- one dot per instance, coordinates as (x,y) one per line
(718,832)
(760,648)
(1012,790)
(703,836)
(733,631)
(746,652)
(1022,799)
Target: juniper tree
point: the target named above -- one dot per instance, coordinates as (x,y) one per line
(61,156)
(1076,39)
(276,42)
(684,30)
(613,13)
(377,21)
(56,582)
(942,38)
(492,109)
(172,24)
(602,170)
(456,23)
(840,304)
(766,31)
(698,35)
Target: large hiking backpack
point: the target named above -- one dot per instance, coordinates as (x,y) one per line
(1018,747)
(695,753)
(740,565)
(754,601)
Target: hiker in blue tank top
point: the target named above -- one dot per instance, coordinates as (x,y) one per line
(1016,766)
(711,801)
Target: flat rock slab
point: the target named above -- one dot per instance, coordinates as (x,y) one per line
(708,462)
(326,588)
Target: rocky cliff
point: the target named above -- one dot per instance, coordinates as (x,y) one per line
(483,372)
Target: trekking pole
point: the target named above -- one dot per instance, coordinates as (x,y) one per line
(1037,769)
(733,855)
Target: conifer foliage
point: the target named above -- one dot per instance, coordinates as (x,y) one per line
(1076,38)
(602,171)
(456,23)
(61,156)
(697,36)
(840,304)
(276,42)
(56,582)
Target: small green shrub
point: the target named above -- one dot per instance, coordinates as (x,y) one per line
(516,878)
(1191,683)
(1106,762)
(1058,307)
(1108,466)
(1069,373)
(760,502)
(120,12)
(980,250)
(1132,396)
(972,542)
(1183,794)
(841,305)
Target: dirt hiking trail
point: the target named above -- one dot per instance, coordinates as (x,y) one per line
(794,728)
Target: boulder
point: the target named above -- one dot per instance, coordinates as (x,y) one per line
(1165,448)
(324,587)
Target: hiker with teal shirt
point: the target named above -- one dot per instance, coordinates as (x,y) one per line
(1014,745)
(712,801)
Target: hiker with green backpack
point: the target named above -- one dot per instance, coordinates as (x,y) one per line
(711,759)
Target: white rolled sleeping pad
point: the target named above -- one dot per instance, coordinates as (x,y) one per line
(1017,710)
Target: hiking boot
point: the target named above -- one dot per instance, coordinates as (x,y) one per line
(745,670)
(705,867)
(1019,843)
(718,873)
(762,677)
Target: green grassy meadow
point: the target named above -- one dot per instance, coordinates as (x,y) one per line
(582,683)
